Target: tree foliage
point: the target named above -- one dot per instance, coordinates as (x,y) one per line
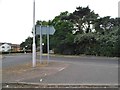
(82,32)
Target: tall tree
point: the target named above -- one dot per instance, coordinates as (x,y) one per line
(27,44)
(64,30)
(83,19)
(105,24)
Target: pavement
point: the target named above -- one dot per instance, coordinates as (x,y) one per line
(24,72)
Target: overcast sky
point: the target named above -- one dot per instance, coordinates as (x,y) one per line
(16,16)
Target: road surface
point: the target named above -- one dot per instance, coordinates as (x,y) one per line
(79,70)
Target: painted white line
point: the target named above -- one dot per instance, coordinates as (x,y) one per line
(20,79)
(40,80)
(61,69)
(45,74)
(7,86)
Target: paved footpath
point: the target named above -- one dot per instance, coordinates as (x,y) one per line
(25,72)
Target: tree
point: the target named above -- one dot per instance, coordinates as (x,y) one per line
(105,24)
(27,44)
(82,32)
(64,29)
(85,43)
(83,19)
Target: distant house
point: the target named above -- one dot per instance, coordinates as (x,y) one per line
(5,47)
(8,47)
(15,47)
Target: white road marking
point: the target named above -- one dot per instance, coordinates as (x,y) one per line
(40,80)
(20,79)
(61,69)
(7,86)
(45,74)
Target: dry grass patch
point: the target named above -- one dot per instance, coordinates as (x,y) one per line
(24,67)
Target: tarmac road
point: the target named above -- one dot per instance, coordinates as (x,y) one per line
(81,69)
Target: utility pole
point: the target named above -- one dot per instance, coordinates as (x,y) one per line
(34,45)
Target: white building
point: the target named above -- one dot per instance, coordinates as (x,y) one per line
(5,47)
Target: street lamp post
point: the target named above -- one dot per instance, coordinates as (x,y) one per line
(34,45)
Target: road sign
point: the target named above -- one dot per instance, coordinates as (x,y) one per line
(45,30)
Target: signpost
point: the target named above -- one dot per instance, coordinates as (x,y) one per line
(40,30)
(48,32)
(40,33)
(44,30)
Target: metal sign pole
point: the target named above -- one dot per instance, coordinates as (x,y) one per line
(34,45)
(48,44)
(40,44)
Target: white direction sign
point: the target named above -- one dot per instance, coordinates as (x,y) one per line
(45,30)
